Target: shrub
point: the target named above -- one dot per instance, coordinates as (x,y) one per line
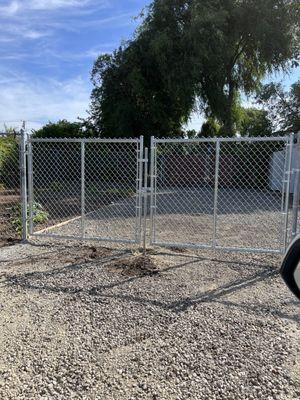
(39,216)
(9,162)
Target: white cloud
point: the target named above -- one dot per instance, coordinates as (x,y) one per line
(54,4)
(31,34)
(18,124)
(42,100)
(15,6)
(31,37)
(10,32)
(34,19)
(10,9)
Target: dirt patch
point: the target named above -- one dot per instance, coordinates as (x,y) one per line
(70,255)
(139,265)
(8,242)
(9,202)
(178,249)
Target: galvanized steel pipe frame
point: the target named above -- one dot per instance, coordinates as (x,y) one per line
(153,188)
(139,189)
(23,178)
(288,175)
(218,141)
(296,190)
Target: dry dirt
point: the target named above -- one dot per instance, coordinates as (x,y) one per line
(9,201)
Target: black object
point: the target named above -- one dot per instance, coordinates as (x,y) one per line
(289,266)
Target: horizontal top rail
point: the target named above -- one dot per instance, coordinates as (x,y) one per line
(137,140)
(235,139)
(83,140)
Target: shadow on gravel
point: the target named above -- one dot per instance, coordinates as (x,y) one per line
(214,295)
(42,281)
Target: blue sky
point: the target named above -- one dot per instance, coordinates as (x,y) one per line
(47,48)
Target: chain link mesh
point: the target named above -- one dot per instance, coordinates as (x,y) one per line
(231,197)
(184,195)
(10,188)
(250,197)
(212,193)
(111,190)
(86,189)
(56,181)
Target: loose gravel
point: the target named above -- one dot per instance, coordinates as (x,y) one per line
(246,218)
(79,322)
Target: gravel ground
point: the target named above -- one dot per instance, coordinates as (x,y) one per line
(246,218)
(80,322)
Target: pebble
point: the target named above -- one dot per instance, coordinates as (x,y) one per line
(77,330)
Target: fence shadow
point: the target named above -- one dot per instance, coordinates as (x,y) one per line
(50,281)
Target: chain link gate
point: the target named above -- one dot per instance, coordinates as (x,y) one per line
(231,194)
(86,189)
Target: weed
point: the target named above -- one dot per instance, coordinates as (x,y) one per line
(39,216)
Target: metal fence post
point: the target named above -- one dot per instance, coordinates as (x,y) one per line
(283,196)
(288,178)
(145,199)
(139,190)
(23,171)
(217,168)
(30,187)
(82,189)
(296,188)
(152,178)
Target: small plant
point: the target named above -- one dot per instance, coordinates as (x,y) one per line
(39,216)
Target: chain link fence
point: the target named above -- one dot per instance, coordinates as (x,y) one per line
(89,188)
(10,188)
(232,194)
(222,193)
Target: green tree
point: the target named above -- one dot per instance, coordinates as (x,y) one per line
(62,129)
(236,43)
(208,49)
(283,106)
(210,128)
(9,160)
(254,123)
(142,87)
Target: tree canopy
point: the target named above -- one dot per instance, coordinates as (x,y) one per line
(192,53)
(236,43)
(254,123)
(137,90)
(283,106)
(59,130)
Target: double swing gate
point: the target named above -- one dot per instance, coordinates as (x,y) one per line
(232,194)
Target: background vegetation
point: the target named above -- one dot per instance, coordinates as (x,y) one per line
(204,55)
(9,161)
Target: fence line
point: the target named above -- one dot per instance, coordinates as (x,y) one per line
(217,193)
(230,194)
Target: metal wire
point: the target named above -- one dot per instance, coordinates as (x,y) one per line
(228,194)
(87,189)
(12,173)
(220,193)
